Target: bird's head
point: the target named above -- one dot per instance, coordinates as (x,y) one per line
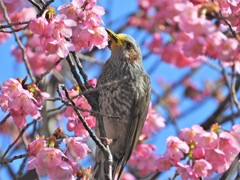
(124,47)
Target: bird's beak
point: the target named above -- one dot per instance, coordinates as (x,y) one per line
(114,39)
(112,35)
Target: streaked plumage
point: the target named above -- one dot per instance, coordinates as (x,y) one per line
(127,99)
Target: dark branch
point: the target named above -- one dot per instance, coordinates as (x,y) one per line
(5,119)
(5,161)
(14,142)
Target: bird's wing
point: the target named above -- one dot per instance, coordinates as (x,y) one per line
(138,115)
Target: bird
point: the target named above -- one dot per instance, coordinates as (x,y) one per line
(126,99)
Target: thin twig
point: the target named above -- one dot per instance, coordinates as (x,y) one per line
(80,69)
(55,109)
(5,161)
(21,168)
(228,24)
(48,71)
(5,119)
(225,76)
(14,142)
(74,72)
(13,24)
(233,90)
(88,58)
(24,56)
(83,110)
(105,149)
(14,30)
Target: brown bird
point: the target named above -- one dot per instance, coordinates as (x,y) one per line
(128,100)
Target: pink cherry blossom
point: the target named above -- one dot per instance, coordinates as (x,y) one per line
(25,104)
(186,171)
(35,146)
(208,140)
(73,10)
(189,21)
(4,37)
(191,134)
(201,168)
(39,60)
(235,133)
(153,123)
(92,82)
(77,148)
(217,159)
(4,100)
(38,25)
(88,32)
(228,144)
(63,26)
(74,124)
(163,163)
(195,47)
(176,149)
(25,14)
(198,153)
(142,158)
(20,101)
(51,162)
(11,88)
(127,176)
(156,44)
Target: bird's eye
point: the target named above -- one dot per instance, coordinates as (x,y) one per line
(129,45)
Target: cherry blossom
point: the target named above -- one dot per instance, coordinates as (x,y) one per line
(21,100)
(74,124)
(204,152)
(176,149)
(153,123)
(51,162)
(35,146)
(142,159)
(77,148)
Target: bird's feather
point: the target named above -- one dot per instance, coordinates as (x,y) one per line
(138,115)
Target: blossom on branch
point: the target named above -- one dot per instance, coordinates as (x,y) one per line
(74,123)
(21,100)
(195,30)
(204,153)
(49,159)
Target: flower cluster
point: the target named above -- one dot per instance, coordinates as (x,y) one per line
(38,59)
(52,36)
(21,100)
(18,12)
(193,29)
(48,159)
(77,26)
(143,159)
(153,123)
(74,124)
(204,153)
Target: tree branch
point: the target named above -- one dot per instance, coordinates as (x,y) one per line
(104,148)
(5,161)
(24,55)
(14,142)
